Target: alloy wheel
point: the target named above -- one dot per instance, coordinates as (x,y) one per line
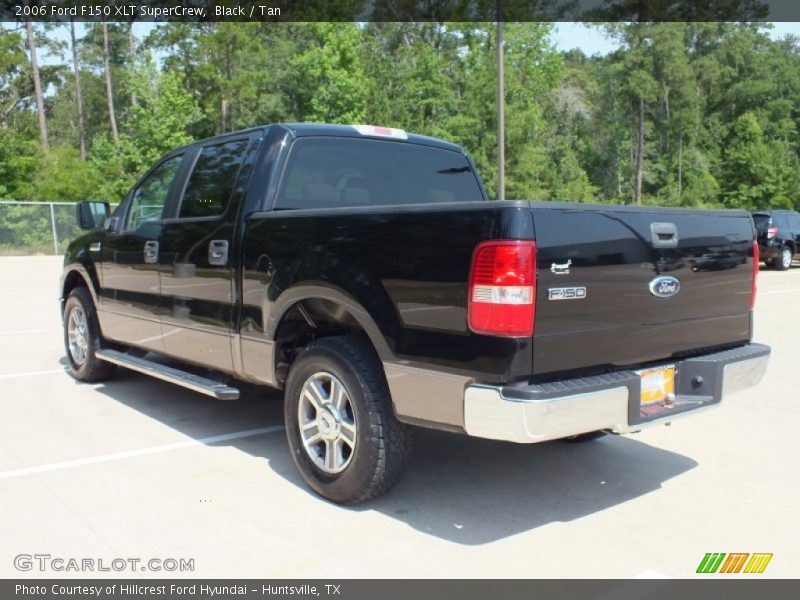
(327,422)
(77,335)
(786,257)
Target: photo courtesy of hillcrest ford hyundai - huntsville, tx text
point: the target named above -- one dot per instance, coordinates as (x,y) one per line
(363,271)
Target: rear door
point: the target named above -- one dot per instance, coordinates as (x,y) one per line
(197,260)
(621,287)
(129,306)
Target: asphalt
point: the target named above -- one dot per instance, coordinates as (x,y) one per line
(138,469)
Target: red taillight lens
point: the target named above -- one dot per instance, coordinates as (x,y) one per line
(502,288)
(756,260)
(772,232)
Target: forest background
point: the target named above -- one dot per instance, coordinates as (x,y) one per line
(677,114)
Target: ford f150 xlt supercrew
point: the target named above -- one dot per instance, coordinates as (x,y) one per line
(363,271)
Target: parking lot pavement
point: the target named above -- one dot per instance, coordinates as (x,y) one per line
(138,468)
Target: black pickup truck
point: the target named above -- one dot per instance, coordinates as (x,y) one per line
(363,271)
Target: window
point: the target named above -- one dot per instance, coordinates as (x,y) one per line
(211,183)
(761,221)
(150,197)
(338,172)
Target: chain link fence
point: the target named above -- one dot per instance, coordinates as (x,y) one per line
(36,227)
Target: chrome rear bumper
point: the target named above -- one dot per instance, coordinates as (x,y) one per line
(540,412)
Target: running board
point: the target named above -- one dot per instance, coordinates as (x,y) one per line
(194,382)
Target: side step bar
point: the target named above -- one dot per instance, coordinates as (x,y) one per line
(194,382)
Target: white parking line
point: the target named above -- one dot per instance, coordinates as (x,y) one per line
(21,331)
(31,374)
(789,291)
(91,460)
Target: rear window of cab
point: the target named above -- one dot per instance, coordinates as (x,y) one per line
(330,172)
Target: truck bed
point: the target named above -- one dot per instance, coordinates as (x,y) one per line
(408,266)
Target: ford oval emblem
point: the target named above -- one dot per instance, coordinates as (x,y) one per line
(665,287)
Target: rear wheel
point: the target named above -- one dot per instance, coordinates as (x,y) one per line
(784,261)
(342,432)
(82,338)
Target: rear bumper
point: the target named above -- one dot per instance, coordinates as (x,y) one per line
(536,413)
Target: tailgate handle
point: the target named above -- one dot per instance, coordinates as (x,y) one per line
(664,235)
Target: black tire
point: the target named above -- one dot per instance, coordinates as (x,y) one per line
(382,444)
(90,368)
(584,437)
(784,260)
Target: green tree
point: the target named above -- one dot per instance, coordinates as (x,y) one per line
(749,173)
(159,122)
(329,79)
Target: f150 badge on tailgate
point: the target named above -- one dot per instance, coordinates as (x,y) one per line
(566,293)
(665,287)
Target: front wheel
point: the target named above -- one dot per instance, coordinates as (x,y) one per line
(342,432)
(82,338)
(784,261)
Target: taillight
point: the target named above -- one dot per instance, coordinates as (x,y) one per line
(502,288)
(772,232)
(756,260)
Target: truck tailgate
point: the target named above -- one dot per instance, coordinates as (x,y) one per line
(620,286)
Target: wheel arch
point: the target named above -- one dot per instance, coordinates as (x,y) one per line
(76,275)
(313,311)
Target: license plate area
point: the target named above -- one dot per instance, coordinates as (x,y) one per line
(657,386)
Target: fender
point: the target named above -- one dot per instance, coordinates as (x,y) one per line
(255,353)
(411,387)
(89,276)
(327,291)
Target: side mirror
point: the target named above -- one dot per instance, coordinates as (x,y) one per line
(92,215)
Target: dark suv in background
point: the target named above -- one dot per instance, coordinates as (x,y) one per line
(778,237)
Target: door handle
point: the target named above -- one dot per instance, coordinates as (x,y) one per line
(218,252)
(151,252)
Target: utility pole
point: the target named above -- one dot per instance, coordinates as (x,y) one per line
(501,110)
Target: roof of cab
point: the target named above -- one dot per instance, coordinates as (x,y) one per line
(321,129)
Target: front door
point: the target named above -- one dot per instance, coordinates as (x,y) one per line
(197,262)
(130,297)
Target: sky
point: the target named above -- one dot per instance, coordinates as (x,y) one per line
(592,40)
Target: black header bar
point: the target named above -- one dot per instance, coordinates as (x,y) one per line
(395,589)
(400,10)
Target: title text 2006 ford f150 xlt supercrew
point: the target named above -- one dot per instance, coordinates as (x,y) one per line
(363,271)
